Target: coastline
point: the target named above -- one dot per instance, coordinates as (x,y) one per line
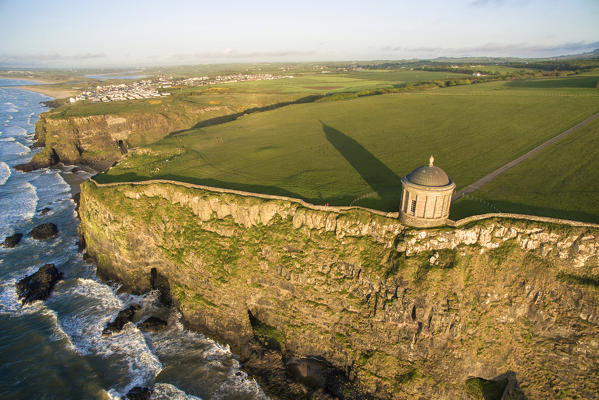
(57,93)
(32,79)
(74,175)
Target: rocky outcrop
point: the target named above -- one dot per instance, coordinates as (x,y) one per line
(124,316)
(100,140)
(12,240)
(44,231)
(153,324)
(400,313)
(139,393)
(39,285)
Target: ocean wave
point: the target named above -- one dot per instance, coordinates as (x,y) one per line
(12,148)
(14,130)
(205,361)
(17,205)
(9,107)
(237,382)
(166,391)
(4,173)
(51,187)
(10,304)
(96,304)
(58,334)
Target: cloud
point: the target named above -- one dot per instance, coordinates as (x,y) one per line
(499,49)
(485,3)
(232,53)
(87,56)
(46,58)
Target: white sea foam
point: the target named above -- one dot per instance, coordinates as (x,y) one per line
(17,204)
(177,343)
(4,173)
(13,130)
(51,187)
(239,383)
(165,391)
(9,300)
(97,304)
(58,333)
(9,107)
(12,148)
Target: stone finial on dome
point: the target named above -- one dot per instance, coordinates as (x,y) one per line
(431,161)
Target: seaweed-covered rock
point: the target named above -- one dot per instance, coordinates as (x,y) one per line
(121,319)
(45,210)
(139,393)
(44,231)
(12,241)
(39,285)
(153,324)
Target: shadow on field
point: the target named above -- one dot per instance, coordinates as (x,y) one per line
(370,168)
(232,117)
(133,177)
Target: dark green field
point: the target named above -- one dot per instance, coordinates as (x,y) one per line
(355,151)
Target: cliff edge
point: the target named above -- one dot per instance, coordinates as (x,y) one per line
(393,312)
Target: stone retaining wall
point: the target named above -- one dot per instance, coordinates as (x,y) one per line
(449,222)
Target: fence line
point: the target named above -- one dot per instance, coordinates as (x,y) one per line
(251,194)
(394,215)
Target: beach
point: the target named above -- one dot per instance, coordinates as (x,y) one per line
(52,91)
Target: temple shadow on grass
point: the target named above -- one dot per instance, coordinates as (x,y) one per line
(376,174)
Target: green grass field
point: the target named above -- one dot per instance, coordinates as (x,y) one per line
(355,151)
(561,182)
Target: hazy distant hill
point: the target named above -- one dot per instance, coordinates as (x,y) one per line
(486,60)
(581,56)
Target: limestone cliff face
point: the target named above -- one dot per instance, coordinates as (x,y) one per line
(405,313)
(100,140)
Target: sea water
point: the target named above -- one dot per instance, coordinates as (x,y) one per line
(54,349)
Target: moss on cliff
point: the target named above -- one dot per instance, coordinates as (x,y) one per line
(407,313)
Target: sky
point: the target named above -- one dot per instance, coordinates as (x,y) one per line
(90,33)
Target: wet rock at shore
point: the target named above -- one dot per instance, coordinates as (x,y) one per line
(45,210)
(44,231)
(153,324)
(39,161)
(12,241)
(39,285)
(139,393)
(121,319)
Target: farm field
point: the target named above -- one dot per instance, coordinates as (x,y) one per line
(356,151)
(561,182)
(240,96)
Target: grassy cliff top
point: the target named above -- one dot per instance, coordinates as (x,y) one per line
(355,151)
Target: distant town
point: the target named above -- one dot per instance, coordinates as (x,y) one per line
(152,88)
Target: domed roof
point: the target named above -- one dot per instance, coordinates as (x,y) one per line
(429,175)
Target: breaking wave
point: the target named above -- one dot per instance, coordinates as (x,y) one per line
(92,305)
(4,173)
(17,205)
